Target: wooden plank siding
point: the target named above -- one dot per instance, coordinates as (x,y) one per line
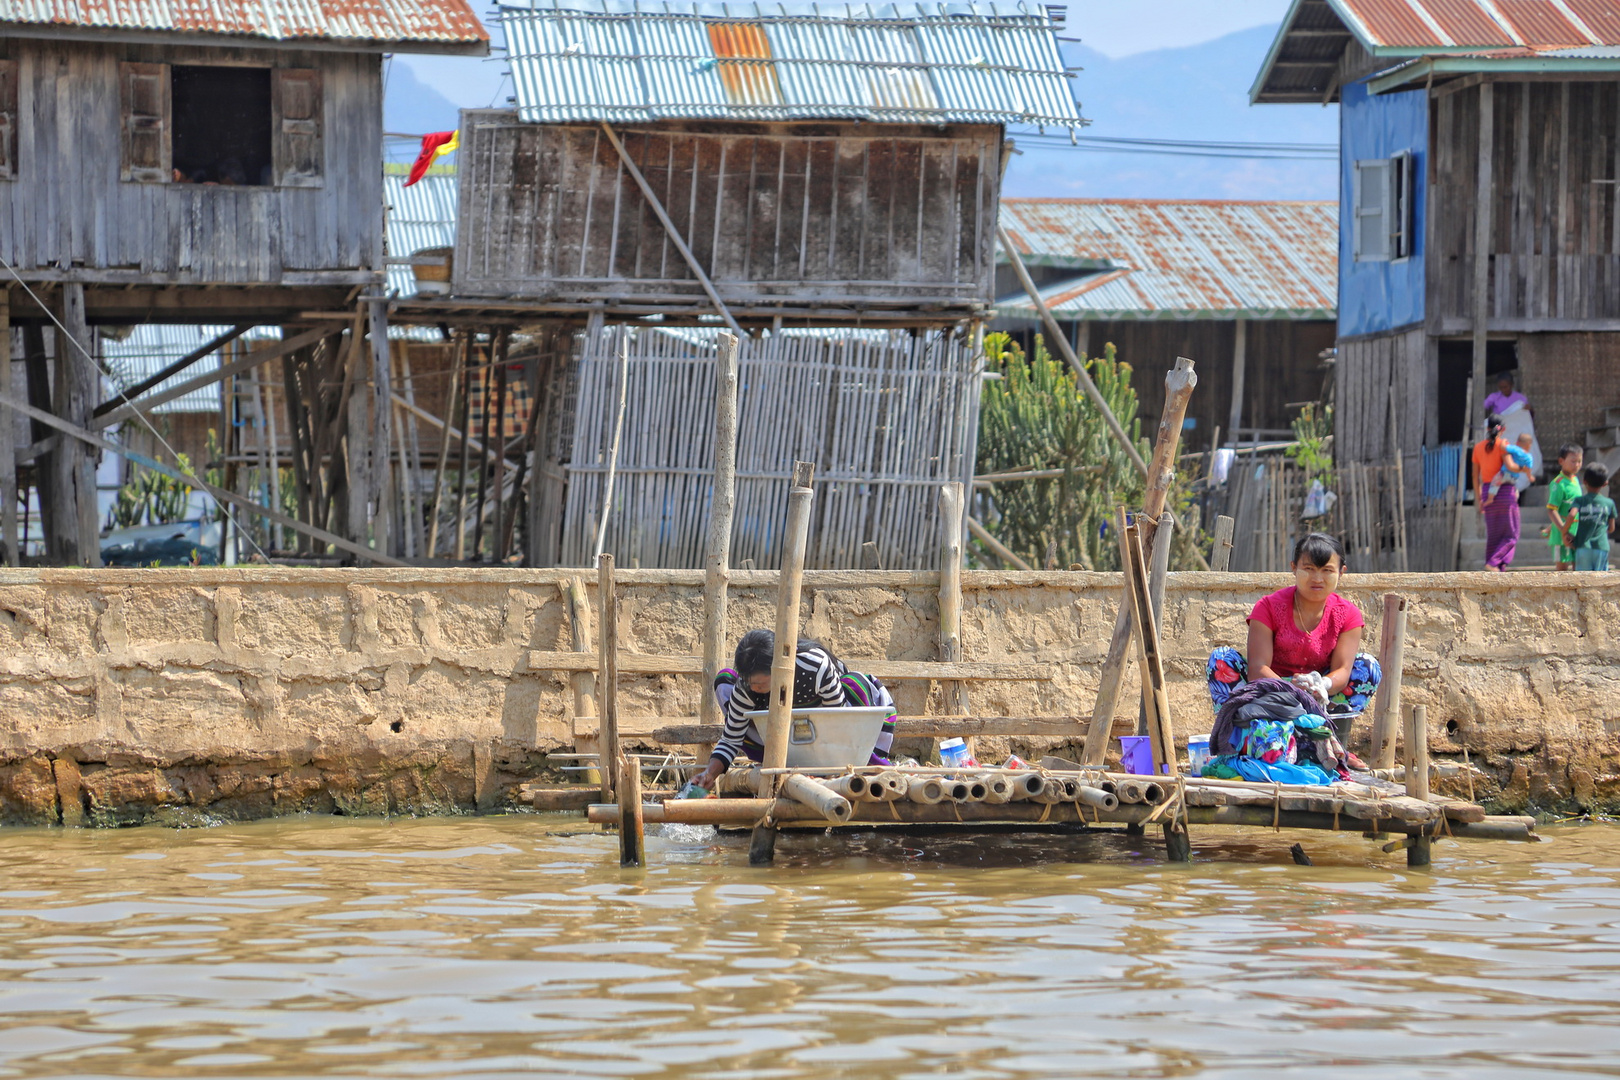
(1555,237)
(1368,372)
(823,215)
(66,213)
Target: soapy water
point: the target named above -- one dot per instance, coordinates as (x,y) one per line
(516,946)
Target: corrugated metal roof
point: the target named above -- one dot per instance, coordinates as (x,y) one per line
(151,347)
(434,25)
(420,217)
(1180,259)
(1458,35)
(631,60)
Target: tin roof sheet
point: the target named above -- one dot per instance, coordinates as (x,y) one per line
(1303,59)
(1179,259)
(151,347)
(637,60)
(398,25)
(420,217)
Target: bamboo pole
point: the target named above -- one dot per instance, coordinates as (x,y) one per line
(461,465)
(1220,558)
(1387,702)
(497,535)
(1179,383)
(273,459)
(583,683)
(722,510)
(618,433)
(1417,778)
(950,593)
(437,503)
(785,661)
(1161,733)
(607,667)
(997,548)
(816,795)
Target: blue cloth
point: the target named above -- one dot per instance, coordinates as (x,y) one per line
(1248,768)
(1591,559)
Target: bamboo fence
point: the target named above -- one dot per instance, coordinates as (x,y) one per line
(887,417)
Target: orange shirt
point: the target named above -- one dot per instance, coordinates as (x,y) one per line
(1488,460)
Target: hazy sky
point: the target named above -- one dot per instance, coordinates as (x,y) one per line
(1112,27)
(1122,27)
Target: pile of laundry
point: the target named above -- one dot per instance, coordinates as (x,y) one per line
(1273,729)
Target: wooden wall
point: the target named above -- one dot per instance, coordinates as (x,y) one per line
(67,207)
(1369,373)
(833,217)
(1555,230)
(1570,379)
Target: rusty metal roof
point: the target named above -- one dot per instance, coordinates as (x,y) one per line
(368,25)
(1178,258)
(636,60)
(1445,37)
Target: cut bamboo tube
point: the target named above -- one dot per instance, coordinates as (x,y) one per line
(1028,786)
(816,795)
(855,787)
(1130,791)
(1387,702)
(1417,779)
(1097,797)
(997,789)
(890,786)
(722,508)
(785,660)
(632,833)
(607,667)
(928,791)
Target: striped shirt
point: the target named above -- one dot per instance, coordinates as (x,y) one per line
(817,683)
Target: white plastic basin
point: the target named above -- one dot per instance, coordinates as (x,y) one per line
(829,738)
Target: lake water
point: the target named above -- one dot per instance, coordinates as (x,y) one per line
(516,946)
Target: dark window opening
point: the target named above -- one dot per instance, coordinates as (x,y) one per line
(1456,365)
(222,126)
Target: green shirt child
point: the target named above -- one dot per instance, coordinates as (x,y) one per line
(1564,490)
(1594,515)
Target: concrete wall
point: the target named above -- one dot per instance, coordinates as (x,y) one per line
(241,693)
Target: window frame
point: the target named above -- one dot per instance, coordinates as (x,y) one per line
(1393,220)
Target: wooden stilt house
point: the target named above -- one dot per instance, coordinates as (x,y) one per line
(761,167)
(1479,220)
(166,163)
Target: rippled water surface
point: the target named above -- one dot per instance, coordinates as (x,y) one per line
(516,946)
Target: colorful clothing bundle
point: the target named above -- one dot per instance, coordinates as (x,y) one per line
(1269,730)
(1227,672)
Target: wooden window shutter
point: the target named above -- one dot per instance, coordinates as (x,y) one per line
(144,89)
(296,100)
(1372,232)
(8,119)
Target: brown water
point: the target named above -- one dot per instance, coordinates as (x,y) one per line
(516,946)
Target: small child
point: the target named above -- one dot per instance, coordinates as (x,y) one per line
(1565,489)
(1518,460)
(1594,516)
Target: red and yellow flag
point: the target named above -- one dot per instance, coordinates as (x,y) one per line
(434,146)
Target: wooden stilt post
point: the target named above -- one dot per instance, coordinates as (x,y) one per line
(1179,383)
(1387,702)
(722,508)
(8,443)
(618,434)
(632,828)
(456,361)
(78,539)
(1220,559)
(460,516)
(607,677)
(779,719)
(950,594)
(1417,777)
(497,538)
(382,413)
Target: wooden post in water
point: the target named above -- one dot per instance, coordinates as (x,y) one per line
(584,682)
(1417,777)
(607,677)
(1220,558)
(1387,702)
(779,719)
(950,595)
(1178,384)
(722,507)
(632,829)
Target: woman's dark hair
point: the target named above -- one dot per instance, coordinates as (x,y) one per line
(1505,377)
(1319,548)
(1493,426)
(757,648)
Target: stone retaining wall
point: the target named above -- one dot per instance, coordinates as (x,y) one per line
(129,694)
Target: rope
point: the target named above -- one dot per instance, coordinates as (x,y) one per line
(1276,806)
(1046,812)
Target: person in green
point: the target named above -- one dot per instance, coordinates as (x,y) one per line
(1594,515)
(1565,489)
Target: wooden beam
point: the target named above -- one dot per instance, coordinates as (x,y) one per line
(1240,363)
(172,370)
(784,660)
(272,351)
(220,494)
(607,675)
(997,548)
(1482,258)
(1056,727)
(722,509)
(674,233)
(654,664)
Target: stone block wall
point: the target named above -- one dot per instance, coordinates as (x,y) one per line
(128,694)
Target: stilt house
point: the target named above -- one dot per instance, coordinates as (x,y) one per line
(184,164)
(762,167)
(1479,215)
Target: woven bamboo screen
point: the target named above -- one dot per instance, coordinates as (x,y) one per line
(886,417)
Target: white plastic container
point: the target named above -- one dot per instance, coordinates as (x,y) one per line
(1197,753)
(826,738)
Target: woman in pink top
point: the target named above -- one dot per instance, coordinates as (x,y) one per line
(1306,629)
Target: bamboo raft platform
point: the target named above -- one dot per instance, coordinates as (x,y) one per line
(769,797)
